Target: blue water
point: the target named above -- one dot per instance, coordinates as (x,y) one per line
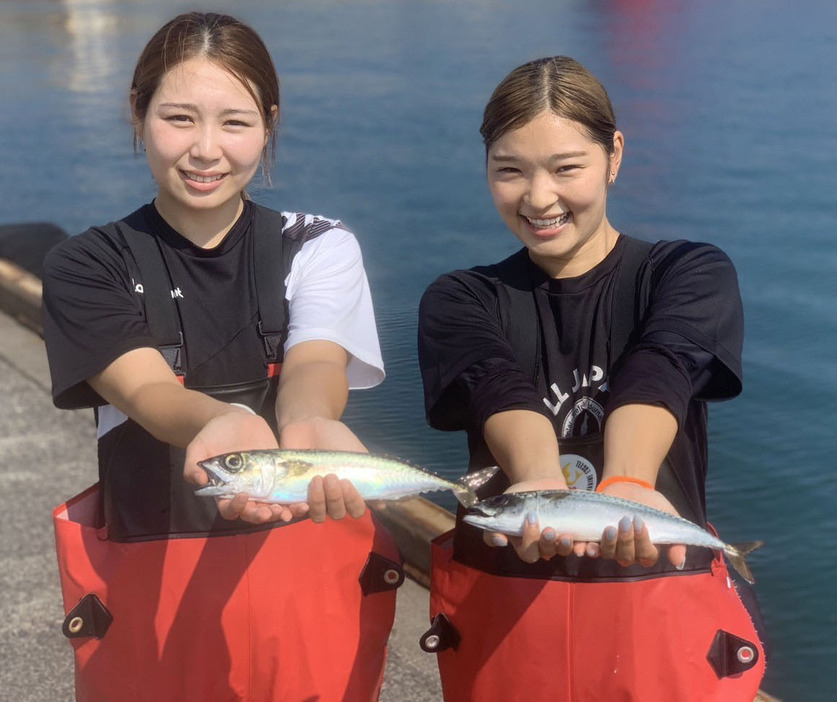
(730,114)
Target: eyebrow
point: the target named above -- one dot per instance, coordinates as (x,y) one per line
(554,157)
(194,108)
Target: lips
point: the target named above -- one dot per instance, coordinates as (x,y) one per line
(202,182)
(550,223)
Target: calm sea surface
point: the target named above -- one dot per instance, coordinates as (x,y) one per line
(730,113)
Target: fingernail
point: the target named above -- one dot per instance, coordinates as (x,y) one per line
(498,540)
(532,518)
(549,535)
(682,564)
(638,524)
(625,525)
(610,533)
(566,542)
(592,550)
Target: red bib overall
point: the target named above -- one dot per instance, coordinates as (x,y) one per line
(684,637)
(166,601)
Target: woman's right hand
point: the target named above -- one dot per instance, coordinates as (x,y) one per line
(535,544)
(230,432)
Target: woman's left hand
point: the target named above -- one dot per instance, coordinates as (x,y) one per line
(628,542)
(328,496)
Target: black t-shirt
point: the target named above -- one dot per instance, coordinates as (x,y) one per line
(686,350)
(94,312)
(97,282)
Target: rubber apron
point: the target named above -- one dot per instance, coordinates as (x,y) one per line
(290,612)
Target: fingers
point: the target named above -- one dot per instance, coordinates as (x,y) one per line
(646,552)
(677,556)
(533,544)
(240,507)
(629,543)
(527,547)
(335,498)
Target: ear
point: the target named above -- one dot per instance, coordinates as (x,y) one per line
(135,120)
(273,122)
(615,158)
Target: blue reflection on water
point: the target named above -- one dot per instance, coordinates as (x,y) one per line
(729,110)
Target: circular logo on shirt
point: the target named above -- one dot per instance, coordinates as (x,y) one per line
(584,418)
(578,472)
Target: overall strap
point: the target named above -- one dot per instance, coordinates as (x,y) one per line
(625,308)
(273,253)
(160,308)
(520,319)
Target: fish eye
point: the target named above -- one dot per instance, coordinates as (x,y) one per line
(234,462)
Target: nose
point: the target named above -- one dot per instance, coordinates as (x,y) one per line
(542,192)
(207,146)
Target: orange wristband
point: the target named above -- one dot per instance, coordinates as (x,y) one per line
(624,479)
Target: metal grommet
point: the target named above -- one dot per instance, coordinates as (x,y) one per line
(432,642)
(76,624)
(745,654)
(391,576)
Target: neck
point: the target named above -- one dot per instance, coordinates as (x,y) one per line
(204,228)
(580,260)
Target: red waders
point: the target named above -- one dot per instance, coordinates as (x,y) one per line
(683,638)
(143,616)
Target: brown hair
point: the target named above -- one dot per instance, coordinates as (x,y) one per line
(557,83)
(227,42)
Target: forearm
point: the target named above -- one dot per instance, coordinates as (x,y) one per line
(174,414)
(317,389)
(140,384)
(524,444)
(636,441)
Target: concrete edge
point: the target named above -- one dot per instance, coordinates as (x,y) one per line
(21,295)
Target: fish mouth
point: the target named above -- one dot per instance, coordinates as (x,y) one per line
(219,479)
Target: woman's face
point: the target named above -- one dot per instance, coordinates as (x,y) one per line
(204,136)
(549,182)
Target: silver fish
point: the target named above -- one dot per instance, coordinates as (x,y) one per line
(584,515)
(282,476)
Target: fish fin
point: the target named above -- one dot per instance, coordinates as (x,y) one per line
(737,554)
(213,491)
(467,486)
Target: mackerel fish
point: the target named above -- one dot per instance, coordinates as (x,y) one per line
(282,476)
(585,515)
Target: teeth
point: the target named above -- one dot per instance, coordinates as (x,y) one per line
(203,179)
(546,223)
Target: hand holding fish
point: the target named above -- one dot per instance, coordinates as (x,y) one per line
(535,544)
(234,429)
(628,542)
(328,496)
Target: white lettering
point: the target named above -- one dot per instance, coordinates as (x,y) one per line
(139,289)
(176,293)
(556,408)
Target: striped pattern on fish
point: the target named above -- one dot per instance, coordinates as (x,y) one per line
(282,476)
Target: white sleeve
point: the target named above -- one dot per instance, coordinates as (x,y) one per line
(329,300)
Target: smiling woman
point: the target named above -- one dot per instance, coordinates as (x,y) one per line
(199,325)
(204,137)
(584,359)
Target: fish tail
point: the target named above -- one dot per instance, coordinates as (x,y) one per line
(465,489)
(737,554)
